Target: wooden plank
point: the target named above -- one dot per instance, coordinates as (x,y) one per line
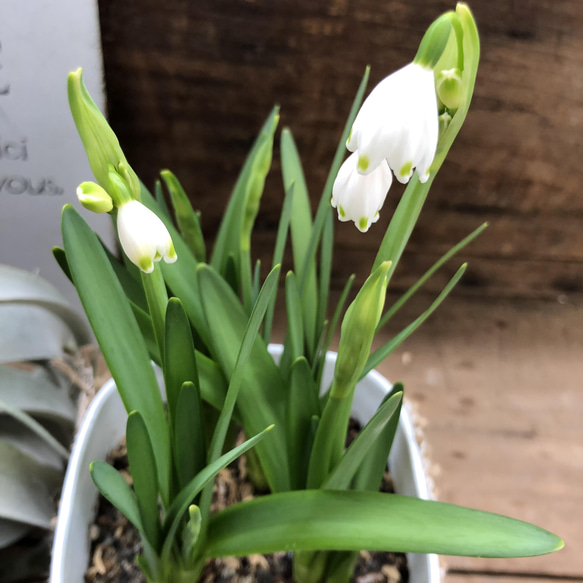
(498,388)
(486,276)
(190,83)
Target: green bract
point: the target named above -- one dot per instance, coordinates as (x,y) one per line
(208,326)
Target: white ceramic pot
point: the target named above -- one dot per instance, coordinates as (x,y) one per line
(104,426)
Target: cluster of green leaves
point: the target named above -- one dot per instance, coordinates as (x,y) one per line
(208,326)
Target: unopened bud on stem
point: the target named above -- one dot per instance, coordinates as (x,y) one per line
(358,329)
(94,198)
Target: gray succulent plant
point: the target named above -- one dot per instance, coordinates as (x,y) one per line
(37,408)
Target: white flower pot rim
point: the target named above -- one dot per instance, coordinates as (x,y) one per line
(104,426)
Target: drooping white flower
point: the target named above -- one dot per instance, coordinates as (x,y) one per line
(359,197)
(398,123)
(143,236)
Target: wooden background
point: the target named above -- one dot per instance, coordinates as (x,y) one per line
(189,83)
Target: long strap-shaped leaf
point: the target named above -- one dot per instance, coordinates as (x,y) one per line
(348,520)
(227,241)
(427,275)
(381,353)
(301,228)
(261,400)
(344,471)
(249,337)
(117,333)
(181,503)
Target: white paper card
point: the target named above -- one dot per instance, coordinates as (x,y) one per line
(41,156)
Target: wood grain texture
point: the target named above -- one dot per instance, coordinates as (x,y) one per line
(497,385)
(189,83)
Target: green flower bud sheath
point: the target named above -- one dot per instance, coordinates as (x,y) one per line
(434,41)
(357,333)
(101,144)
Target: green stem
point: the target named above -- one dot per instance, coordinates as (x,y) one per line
(157,298)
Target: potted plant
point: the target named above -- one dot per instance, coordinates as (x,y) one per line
(207,323)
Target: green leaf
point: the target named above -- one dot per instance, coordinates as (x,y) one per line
(370,472)
(332,327)
(342,474)
(247,343)
(347,520)
(147,330)
(181,503)
(159,196)
(261,400)
(381,353)
(228,238)
(280,241)
(295,328)
(325,270)
(302,406)
(117,333)
(427,275)
(61,258)
(189,434)
(179,360)
(301,228)
(257,281)
(213,386)
(186,219)
(143,468)
(131,286)
(114,488)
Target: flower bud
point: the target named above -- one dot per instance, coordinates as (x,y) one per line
(94,198)
(448,85)
(100,143)
(444,121)
(358,329)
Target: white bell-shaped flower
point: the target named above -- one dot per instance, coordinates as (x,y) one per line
(359,197)
(143,236)
(398,122)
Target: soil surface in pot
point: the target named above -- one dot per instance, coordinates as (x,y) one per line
(115,542)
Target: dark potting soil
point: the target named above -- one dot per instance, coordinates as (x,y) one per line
(115,542)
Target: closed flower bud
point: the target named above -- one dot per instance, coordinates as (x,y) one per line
(143,236)
(94,198)
(449,88)
(100,143)
(359,197)
(357,332)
